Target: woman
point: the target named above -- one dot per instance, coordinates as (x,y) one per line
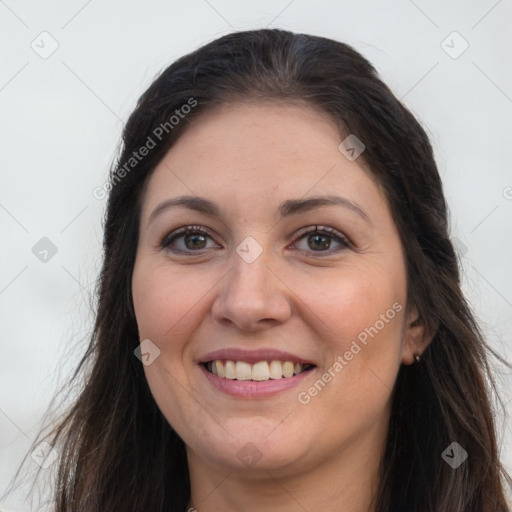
(280,322)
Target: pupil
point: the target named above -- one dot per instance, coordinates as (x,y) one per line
(194,237)
(316,239)
(320,237)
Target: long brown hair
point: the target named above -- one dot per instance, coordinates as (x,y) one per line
(117,451)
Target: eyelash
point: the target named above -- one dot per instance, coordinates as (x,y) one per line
(329,232)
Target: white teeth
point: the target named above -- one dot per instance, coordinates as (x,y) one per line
(243,371)
(219,368)
(229,370)
(276,370)
(288,369)
(261,371)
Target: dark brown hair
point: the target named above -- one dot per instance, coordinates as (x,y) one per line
(117,451)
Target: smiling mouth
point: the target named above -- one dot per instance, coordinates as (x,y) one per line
(260,371)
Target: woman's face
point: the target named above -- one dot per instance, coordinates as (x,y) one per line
(235,311)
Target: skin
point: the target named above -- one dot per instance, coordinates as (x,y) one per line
(248,158)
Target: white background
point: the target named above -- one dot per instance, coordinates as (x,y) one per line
(61,122)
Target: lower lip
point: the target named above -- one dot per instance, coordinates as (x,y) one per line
(254,389)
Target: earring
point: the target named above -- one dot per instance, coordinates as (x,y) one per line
(417,358)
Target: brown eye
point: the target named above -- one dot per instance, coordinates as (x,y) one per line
(197,241)
(194,238)
(320,240)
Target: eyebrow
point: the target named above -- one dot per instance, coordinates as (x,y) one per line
(286,209)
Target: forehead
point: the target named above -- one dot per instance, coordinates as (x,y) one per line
(249,153)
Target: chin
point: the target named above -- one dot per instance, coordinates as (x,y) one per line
(254,446)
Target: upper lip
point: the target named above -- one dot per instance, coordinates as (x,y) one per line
(252,356)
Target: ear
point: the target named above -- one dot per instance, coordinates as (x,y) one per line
(416,338)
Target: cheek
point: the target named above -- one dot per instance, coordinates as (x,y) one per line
(164,303)
(362,306)
(364,313)
(166,310)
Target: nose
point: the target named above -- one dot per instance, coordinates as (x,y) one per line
(253,297)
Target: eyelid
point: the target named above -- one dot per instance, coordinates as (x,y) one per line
(340,238)
(184,230)
(323,230)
